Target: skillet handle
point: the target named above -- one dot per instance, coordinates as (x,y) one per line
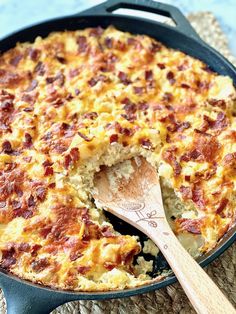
(182,24)
(28,299)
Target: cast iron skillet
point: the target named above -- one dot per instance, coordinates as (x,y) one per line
(28,298)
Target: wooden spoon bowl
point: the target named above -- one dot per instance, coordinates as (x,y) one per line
(137,199)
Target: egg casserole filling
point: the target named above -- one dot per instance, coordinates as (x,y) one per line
(76,100)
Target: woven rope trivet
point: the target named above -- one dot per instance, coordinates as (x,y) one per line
(171,299)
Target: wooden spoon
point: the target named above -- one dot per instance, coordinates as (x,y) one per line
(138,201)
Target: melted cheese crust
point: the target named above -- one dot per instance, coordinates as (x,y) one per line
(79,99)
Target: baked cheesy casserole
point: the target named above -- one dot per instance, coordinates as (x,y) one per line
(77,100)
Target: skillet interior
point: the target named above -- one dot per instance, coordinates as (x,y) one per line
(170,37)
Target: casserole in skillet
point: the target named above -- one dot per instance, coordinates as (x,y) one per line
(224,68)
(78,100)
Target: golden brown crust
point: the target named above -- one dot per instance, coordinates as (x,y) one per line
(75,95)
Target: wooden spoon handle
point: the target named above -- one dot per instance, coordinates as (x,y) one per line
(202,292)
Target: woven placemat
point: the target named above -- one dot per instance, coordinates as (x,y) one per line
(171,299)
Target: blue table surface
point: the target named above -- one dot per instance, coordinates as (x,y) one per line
(15,14)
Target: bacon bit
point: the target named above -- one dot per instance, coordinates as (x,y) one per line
(47,163)
(202,86)
(113,138)
(67,161)
(161,66)
(145,143)
(77,92)
(198,196)
(194,154)
(3,204)
(126,131)
(96,32)
(223,203)
(24,213)
(57,103)
(74,72)
(170,77)
(34,54)
(41,193)
(75,154)
(149,75)
(75,255)
(143,106)
(32,86)
(40,264)
(183,66)
(6,147)
(40,69)
(7,105)
(186,86)
(82,42)
(6,95)
(107,232)
(138,90)
(47,136)
(129,117)
(23,247)
(30,99)
(131,41)
(59,78)
(31,201)
(109,265)
(28,141)
(60,59)
(9,79)
(207,145)
(16,204)
(8,258)
(48,171)
(217,103)
(35,248)
(28,109)
(94,80)
(85,215)
(10,166)
(230,160)
(44,231)
(186,192)
(155,47)
(218,124)
(83,269)
(124,78)
(15,60)
(129,106)
(111,58)
(90,115)
(84,137)
(184,126)
(168,97)
(69,97)
(187,178)
(170,158)
(119,45)
(127,257)
(190,225)
(52,185)
(109,42)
